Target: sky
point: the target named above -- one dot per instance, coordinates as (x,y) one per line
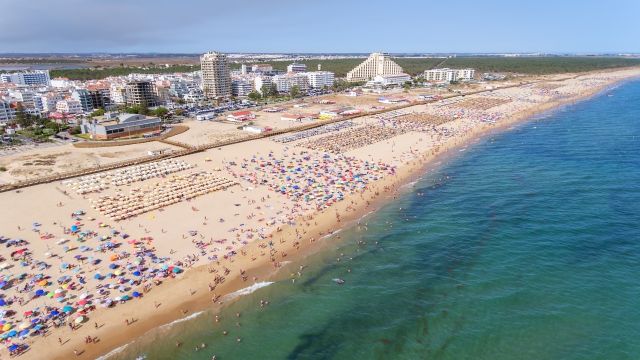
(337,26)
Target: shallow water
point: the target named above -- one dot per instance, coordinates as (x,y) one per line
(526,246)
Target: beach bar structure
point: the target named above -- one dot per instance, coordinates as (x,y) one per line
(125,125)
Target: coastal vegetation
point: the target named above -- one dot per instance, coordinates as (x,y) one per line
(412,66)
(104,72)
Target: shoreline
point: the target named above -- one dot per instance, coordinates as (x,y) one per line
(113,335)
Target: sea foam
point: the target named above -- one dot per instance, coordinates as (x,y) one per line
(248,290)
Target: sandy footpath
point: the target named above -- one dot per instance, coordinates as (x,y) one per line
(229,239)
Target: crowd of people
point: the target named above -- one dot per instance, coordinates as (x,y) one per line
(340,142)
(97,265)
(287,138)
(309,177)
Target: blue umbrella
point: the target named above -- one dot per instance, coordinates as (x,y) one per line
(23,333)
(113,266)
(40,292)
(12,333)
(2,302)
(54,313)
(136,273)
(67,309)
(13,347)
(136,294)
(97,277)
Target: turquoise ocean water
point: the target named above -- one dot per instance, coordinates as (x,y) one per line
(524,246)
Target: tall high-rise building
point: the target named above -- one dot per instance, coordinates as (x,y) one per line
(216,77)
(376,64)
(140,93)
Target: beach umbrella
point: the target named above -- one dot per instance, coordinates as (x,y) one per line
(67,309)
(13,347)
(54,313)
(6,327)
(137,273)
(40,292)
(97,277)
(12,333)
(2,302)
(79,319)
(136,294)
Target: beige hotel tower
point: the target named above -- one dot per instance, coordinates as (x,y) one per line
(216,78)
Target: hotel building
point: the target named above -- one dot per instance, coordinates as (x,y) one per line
(376,64)
(35,77)
(320,79)
(448,75)
(216,77)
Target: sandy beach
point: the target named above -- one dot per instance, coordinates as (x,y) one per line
(110,256)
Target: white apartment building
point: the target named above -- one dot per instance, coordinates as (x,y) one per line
(6,112)
(35,77)
(194,96)
(296,68)
(117,94)
(69,106)
(61,83)
(320,79)
(261,68)
(26,97)
(466,74)
(376,64)
(390,80)
(284,83)
(448,75)
(241,87)
(261,81)
(216,77)
(49,101)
